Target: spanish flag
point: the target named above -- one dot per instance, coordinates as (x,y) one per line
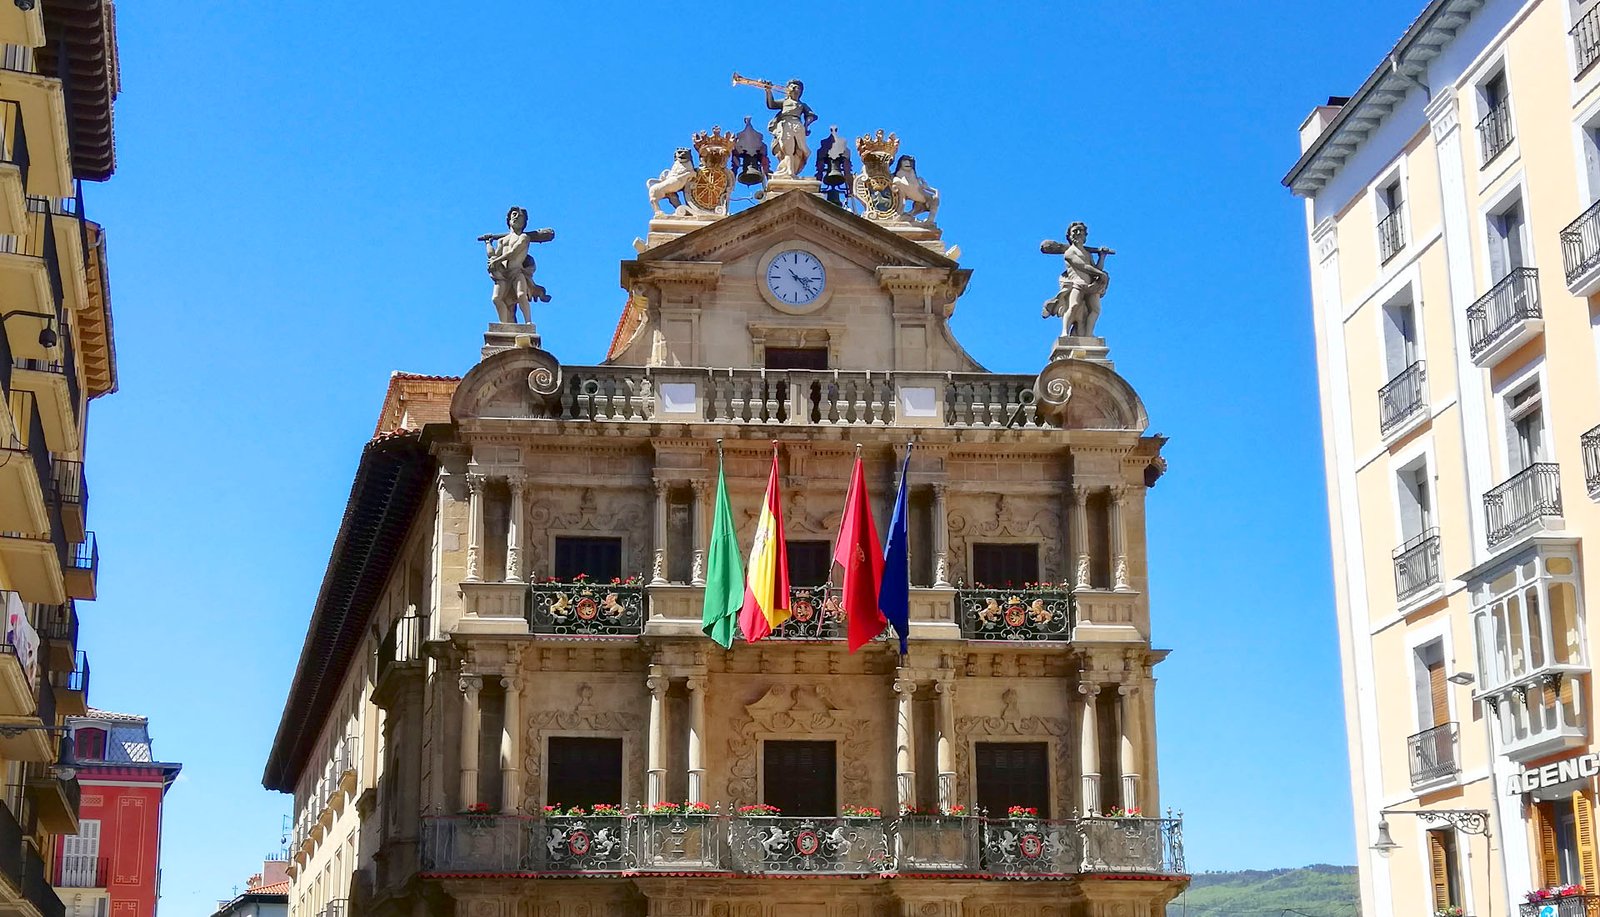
(766,589)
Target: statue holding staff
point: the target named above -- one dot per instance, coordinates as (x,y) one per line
(790,124)
(1082,283)
(511,266)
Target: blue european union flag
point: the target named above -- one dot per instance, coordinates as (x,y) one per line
(894,592)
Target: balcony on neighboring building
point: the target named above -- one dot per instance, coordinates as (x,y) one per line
(338,907)
(72,491)
(56,800)
(72,687)
(584,609)
(1506,317)
(18,673)
(1391,236)
(1563,906)
(1433,757)
(11,835)
(1585,34)
(82,573)
(783,846)
(1580,250)
(79,871)
(26,478)
(1529,498)
(58,628)
(399,654)
(1494,132)
(14,164)
(1590,444)
(1403,398)
(1416,565)
(36,888)
(1017,614)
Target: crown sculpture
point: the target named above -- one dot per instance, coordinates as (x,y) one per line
(701,190)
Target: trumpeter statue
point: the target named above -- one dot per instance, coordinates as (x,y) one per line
(791,123)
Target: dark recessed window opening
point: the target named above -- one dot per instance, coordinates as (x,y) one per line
(1003,565)
(810,562)
(1013,774)
(799,778)
(584,771)
(599,558)
(796,357)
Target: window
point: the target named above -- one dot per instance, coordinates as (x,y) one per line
(796,357)
(1005,564)
(1494,124)
(1525,422)
(599,558)
(800,778)
(89,744)
(583,771)
(1508,229)
(1565,828)
(1494,91)
(1445,880)
(1400,334)
(1416,501)
(1433,689)
(80,855)
(810,562)
(1391,231)
(1013,774)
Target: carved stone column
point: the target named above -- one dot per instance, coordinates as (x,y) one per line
(905,759)
(511,742)
(941,537)
(658,566)
(1128,764)
(1080,534)
(1089,751)
(945,690)
(656,743)
(697,737)
(701,525)
(471,721)
(514,528)
(1119,538)
(475,484)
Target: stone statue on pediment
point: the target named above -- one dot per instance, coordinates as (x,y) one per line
(511,266)
(1083,282)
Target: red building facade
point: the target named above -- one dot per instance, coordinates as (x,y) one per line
(112,866)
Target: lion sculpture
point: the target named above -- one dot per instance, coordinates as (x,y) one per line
(672,181)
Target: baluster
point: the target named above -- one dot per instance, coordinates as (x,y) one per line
(569,398)
(996,404)
(632,409)
(965,414)
(736,398)
(858,400)
(716,398)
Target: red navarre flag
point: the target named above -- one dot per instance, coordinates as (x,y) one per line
(861,556)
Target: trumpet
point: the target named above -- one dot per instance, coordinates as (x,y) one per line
(748,81)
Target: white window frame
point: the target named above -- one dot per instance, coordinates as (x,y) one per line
(1534,373)
(1406,284)
(1514,191)
(1435,630)
(1493,66)
(1586,147)
(1398,174)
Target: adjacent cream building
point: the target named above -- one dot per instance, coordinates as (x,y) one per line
(511,615)
(1451,206)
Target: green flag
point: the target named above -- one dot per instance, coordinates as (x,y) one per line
(724,574)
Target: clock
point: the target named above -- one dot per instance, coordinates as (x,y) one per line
(795,278)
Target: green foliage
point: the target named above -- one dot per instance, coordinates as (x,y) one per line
(1316,891)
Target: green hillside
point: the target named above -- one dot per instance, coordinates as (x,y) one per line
(1316,891)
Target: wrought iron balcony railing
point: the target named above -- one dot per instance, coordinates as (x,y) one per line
(71,487)
(1586,40)
(59,622)
(76,680)
(814,614)
(1416,565)
(348,757)
(1580,240)
(36,886)
(1589,443)
(1391,236)
(26,415)
(1522,500)
(75,871)
(1017,614)
(86,554)
(11,834)
(1494,132)
(585,609)
(13,138)
(1564,906)
(512,845)
(1511,301)
(1402,397)
(1433,754)
(401,646)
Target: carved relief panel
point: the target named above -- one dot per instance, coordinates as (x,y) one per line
(1001,518)
(582,719)
(592,512)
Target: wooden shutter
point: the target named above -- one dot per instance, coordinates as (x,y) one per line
(1583,821)
(1438,693)
(1549,854)
(1438,870)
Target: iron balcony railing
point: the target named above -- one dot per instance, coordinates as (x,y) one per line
(59,622)
(586,609)
(13,138)
(41,243)
(1522,500)
(1416,565)
(11,834)
(76,680)
(1564,906)
(511,845)
(86,554)
(45,694)
(348,756)
(814,614)
(1590,445)
(1391,236)
(1586,40)
(401,645)
(1402,397)
(36,886)
(1032,613)
(1494,131)
(1511,301)
(1433,754)
(32,441)
(5,362)
(1580,241)
(77,871)
(71,488)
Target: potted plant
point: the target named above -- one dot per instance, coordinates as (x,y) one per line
(855,811)
(1017,812)
(1449,910)
(480,813)
(759,810)
(1129,812)
(1553,892)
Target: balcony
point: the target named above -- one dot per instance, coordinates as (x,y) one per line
(1391,236)
(514,845)
(399,655)
(58,627)
(14,162)
(586,609)
(1580,249)
(1529,498)
(1017,614)
(1566,905)
(19,670)
(54,382)
(31,280)
(82,574)
(57,801)
(1433,757)
(81,872)
(1416,566)
(36,888)
(11,845)
(25,472)
(1494,132)
(829,398)
(1404,397)
(1585,34)
(1506,317)
(1590,444)
(814,614)
(338,907)
(72,492)
(72,687)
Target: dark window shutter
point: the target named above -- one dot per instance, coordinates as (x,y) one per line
(800,778)
(599,558)
(1013,774)
(1003,565)
(584,771)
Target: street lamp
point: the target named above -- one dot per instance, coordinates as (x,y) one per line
(47,334)
(1466,821)
(66,766)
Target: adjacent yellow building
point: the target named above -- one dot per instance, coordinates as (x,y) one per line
(1451,208)
(58,80)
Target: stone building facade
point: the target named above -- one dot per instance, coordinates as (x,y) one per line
(511,618)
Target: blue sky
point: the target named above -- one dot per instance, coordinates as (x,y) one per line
(292,218)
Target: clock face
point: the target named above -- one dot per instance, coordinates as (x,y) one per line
(796,277)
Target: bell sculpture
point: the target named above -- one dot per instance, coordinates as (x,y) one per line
(750,155)
(833,166)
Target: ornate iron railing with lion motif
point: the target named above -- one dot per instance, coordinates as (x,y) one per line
(1032,613)
(585,609)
